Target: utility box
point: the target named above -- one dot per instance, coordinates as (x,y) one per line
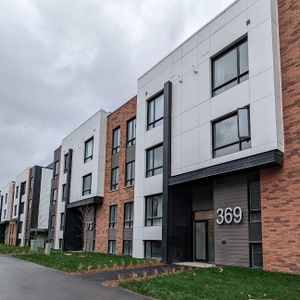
(47,248)
(34,245)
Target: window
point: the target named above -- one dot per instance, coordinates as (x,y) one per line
(86,184)
(113,217)
(52,224)
(6,195)
(23,188)
(131,132)
(154,161)
(15,210)
(21,209)
(66,158)
(232,134)
(62,221)
(88,149)
(60,244)
(56,168)
(153,249)
(230,67)
(116,140)
(254,201)
(4,213)
(153,214)
(17,191)
(64,196)
(130,169)
(128,215)
(20,227)
(256,255)
(54,196)
(114,178)
(127,248)
(112,246)
(155,111)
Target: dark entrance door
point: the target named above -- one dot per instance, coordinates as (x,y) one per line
(204,241)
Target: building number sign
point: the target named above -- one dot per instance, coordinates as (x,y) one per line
(229,215)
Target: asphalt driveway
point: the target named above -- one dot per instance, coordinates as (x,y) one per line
(28,281)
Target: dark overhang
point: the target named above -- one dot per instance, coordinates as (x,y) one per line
(88,201)
(38,230)
(267,159)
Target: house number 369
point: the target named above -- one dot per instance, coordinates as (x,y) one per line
(229,215)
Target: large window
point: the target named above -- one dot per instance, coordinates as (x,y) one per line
(112,247)
(153,249)
(88,149)
(154,161)
(153,213)
(230,67)
(116,140)
(128,215)
(232,134)
(131,132)
(127,247)
(155,111)
(86,184)
(113,217)
(114,178)
(130,169)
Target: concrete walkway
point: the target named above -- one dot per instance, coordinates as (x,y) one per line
(28,281)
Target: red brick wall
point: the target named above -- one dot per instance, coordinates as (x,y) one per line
(281,186)
(123,194)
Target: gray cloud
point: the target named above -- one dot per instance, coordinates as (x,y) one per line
(62,60)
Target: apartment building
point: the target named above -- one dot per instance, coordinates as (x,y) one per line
(114,231)
(81,184)
(216,148)
(8,226)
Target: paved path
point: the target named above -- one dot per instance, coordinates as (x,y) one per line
(28,281)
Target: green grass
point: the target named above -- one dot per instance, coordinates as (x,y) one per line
(76,261)
(231,283)
(13,250)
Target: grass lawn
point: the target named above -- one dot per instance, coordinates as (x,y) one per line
(14,250)
(76,261)
(231,283)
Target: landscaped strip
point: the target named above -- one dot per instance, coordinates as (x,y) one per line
(219,284)
(78,262)
(13,250)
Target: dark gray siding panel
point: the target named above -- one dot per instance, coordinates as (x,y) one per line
(202,198)
(115,160)
(128,234)
(130,153)
(232,240)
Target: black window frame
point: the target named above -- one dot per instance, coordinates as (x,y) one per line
(17,192)
(114,182)
(21,209)
(129,181)
(66,158)
(158,121)
(240,76)
(15,209)
(150,220)
(128,222)
(90,157)
(129,252)
(87,191)
(132,130)
(113,212)
(116,148)
(151,244)
(240,141)
(151,171)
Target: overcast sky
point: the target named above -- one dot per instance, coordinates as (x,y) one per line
(63,60)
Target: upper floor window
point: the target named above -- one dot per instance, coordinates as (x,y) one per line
(113,217)
(86,184)
(114,178)
(56,167)
(15,210)
(54,196)
(88,149)
(130,170)
(153,213)
(66,162)
(6,195)
(230,68)
(232,134)
(128,215)
(64,195)
(131,132)
(155,111)
(116,140)
(154,161)
(17,191)
(62,221)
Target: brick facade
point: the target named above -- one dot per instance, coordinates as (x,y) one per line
(123,194)
(280,187)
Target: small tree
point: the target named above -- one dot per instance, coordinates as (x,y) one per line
(87,215)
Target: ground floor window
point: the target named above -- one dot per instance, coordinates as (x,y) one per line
(153,249)
(256,255)
(112,247)
(60,244)
(127,248)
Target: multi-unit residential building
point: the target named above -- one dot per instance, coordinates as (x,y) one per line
(202,165)
(81,184)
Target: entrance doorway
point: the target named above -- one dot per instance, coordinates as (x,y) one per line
(204,240)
